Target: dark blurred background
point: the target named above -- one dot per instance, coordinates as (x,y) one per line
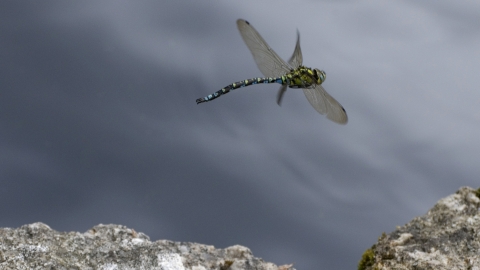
(98,121)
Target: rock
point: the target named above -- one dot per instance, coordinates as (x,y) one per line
(447,237)
(115,247)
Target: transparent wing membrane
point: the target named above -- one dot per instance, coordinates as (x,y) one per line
(268,61)
(325,104)
(297,59)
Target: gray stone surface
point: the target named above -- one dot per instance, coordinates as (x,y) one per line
(115,247)
(447,237)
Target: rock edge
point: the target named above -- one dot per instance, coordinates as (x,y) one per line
(446,237)
(115,247)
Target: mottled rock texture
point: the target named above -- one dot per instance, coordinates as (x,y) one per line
(37,246)
(447,237)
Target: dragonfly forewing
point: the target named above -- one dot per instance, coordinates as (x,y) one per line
(268,61)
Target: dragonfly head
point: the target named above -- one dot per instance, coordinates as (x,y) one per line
(320,76)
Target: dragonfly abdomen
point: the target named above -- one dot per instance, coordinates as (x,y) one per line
(248,82)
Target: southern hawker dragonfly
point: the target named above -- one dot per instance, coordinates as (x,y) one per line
(292,74)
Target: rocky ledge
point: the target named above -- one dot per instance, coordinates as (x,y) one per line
(115,247)
(447,237)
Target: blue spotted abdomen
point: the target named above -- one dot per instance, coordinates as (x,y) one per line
(248,82)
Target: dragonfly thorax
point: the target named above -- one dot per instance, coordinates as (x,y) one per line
(304,77)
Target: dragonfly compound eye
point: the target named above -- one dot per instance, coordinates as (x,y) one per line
(321,75)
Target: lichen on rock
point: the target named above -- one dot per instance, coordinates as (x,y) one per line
(445,238)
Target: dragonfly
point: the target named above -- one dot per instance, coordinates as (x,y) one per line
(290,75)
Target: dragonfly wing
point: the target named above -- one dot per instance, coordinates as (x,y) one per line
(297,59)
(268,61)
(280,94)
(326,104)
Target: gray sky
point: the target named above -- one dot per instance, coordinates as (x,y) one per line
(98,121)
